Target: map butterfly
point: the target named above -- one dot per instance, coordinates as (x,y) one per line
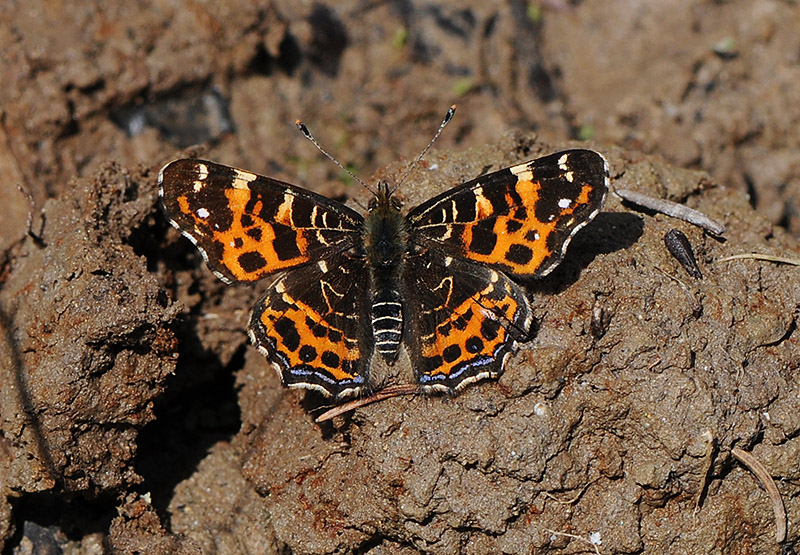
(438,279)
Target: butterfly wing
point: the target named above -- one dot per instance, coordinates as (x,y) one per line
(311,325)
(520,219)
(467,315)
(466,319)
(248,226)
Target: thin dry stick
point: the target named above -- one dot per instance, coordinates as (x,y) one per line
(769,484)
(672,209)
(382,395)
(575,537)
(757,256)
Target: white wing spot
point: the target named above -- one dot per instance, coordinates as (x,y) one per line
(562,162)
(242,179)
(284,211)
(564,203)
(482,205)
(203,213)
(323,266)
(202,172)
(569,177)
(197,186)
(522,171)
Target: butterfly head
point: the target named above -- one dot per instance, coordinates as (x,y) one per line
(384,200)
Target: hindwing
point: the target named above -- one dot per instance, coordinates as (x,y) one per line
(465,320)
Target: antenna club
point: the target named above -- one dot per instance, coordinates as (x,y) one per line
(303,129)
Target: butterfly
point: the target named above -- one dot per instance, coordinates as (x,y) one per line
(439,279)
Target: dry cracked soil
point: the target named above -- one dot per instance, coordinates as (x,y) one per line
(135,417)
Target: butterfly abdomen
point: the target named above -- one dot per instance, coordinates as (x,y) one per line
(387,323)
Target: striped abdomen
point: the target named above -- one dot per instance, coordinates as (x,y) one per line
(387,323)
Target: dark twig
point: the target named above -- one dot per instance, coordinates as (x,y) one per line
(382,395)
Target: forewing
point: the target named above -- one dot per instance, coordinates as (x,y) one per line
(248,226)
(519,219)
(465,319)
(311,325)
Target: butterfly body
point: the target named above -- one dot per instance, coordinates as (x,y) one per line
(438,280)
(386,246)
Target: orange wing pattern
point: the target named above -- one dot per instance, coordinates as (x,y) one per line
(520,219)
(248,226)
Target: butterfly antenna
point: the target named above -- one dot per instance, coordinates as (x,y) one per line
(307,134)
(448,116)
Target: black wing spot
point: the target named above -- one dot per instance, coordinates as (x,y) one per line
(489,329)
(519,254)
(330,359)
(252,261)
(255,233)
(474,345)
(451,353)
(288,332)
(334,335)
(513,226)
(285,246)
(307,353)
(483,239)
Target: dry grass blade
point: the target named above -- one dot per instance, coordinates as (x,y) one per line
(756,256)
(769,484)
(382,395)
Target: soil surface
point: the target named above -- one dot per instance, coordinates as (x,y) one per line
(136,417)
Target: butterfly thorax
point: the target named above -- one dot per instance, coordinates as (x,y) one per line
(385,239)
